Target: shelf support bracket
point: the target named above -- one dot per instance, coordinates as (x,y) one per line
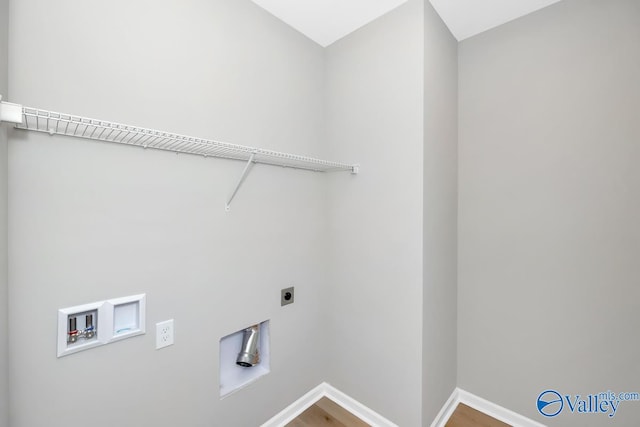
(245,172)
(10,113)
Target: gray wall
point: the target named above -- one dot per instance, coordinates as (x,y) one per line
(4,355)
(549,238)
(374,114)
(440,214)
(91,221)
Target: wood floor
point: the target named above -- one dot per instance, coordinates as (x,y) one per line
(465,416)
(327,413)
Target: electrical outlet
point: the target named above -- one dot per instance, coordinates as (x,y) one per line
(286,296)
(164,334)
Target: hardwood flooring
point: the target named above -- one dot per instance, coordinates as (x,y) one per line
(464,416)
(327,413)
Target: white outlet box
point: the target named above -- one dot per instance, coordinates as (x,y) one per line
(99,311)
(114,320)
(164,334)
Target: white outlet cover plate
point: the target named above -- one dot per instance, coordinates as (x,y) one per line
(164,334)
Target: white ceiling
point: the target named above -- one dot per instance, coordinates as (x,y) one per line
(466,18)
(326,21)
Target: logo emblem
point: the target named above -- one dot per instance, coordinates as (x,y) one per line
(550,403)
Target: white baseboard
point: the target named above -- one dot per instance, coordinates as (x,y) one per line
(361,411)
(366,414)
(447,410)
(289,413)
(496,411)
(371,417)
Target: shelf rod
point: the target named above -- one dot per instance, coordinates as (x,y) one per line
(245,172)
(33,119)
(53,123)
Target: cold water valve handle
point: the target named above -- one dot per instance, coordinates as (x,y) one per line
(90,330)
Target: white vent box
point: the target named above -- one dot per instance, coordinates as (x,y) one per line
(233,376)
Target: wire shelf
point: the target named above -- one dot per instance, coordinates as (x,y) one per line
(82,127)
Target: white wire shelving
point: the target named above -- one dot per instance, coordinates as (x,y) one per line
(54,123)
